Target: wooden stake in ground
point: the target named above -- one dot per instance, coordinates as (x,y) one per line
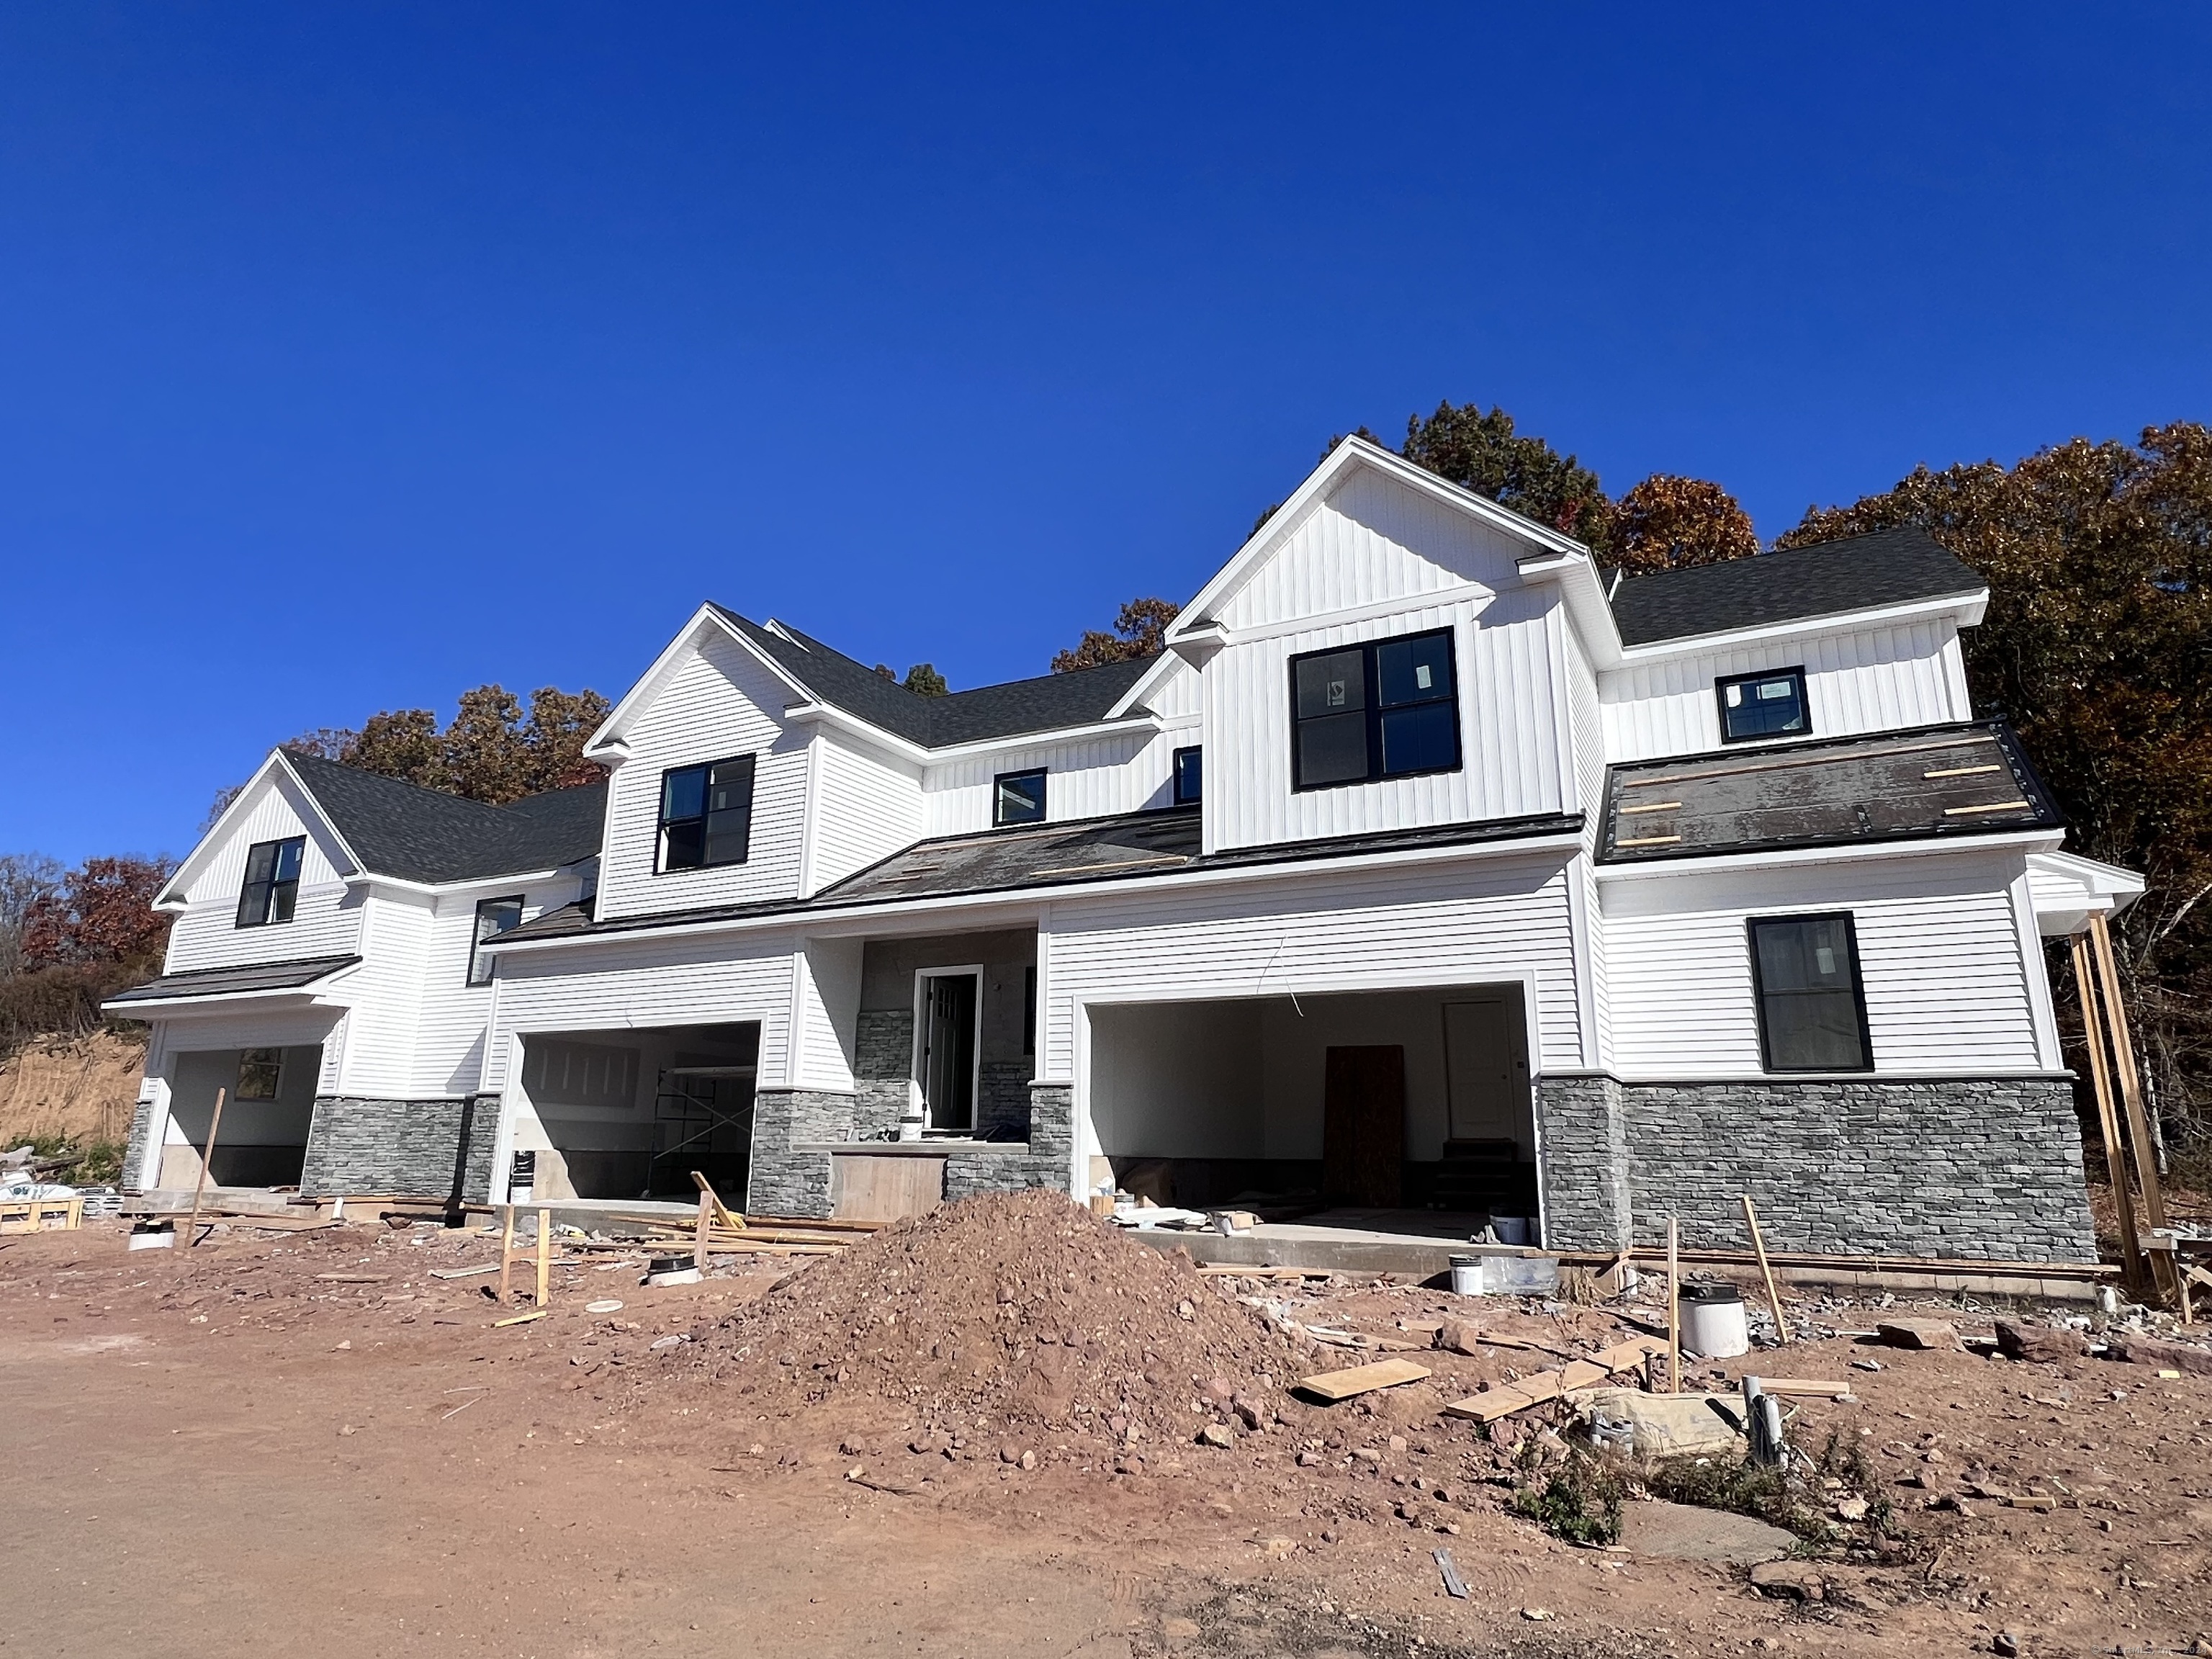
(724,1216)
(1759,1248)
(2108,1120)
(545,1257)
(207,1157)
(506,1250)
(705,1222)
(1673,1311)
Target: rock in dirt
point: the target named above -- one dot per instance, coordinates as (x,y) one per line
(1659,1424)
(1792,1581)
(1932,1336)
(2039,1344)
(1216,1436)
(2164,1356)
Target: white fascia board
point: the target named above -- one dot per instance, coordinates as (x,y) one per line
(2026,841)
(606,742)
(1285,519)
(442,888)
(301,996)
(831,922)
(1583,589)
(2099,889)
(172,895)
(1167,664)
(1966,609)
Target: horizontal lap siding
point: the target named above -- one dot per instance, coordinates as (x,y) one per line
(1329,934)
(865,811)
(386,995)
(207,935)
(666,982)
(1095,778)
(716,707)
(449,1035)
(1945,980)
(1873,679)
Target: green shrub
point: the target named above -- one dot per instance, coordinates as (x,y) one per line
(1581,1503)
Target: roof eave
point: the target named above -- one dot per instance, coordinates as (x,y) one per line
(1968,609)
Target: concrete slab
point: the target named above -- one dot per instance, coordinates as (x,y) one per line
(1683,1532)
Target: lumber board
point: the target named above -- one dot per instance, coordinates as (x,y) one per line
(1811,1387)
(1333,1386)
(1549,1385)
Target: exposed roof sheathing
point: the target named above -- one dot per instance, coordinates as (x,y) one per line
(1941,780)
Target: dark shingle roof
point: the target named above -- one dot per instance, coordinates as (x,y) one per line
(989,712)
(1888,567)
(226,981)
(424,835)
(1938,781)
(1165,841)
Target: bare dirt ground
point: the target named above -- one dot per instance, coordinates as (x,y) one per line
(81,1088)
(306,1441)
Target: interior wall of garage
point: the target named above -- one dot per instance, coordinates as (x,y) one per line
(603,1149)
(260,1143)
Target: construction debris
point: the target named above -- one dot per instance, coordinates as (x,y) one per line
(1932,1336)
(1488,1407)
(1332,1386)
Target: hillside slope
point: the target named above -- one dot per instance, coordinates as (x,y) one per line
(81,1088)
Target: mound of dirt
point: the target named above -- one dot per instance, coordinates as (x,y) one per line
(1007,1309)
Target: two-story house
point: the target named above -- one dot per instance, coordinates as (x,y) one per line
(1430,864)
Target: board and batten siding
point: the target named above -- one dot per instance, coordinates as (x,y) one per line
(325,922)
(648,982)
(1870,679)
(1941,959)
(1373,539)
(1495,922)
(717,705)
(864,809)
(1510,696)
(386,993)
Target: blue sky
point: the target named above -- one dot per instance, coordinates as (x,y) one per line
(351,356)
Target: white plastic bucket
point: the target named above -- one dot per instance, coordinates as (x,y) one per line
(152,1238)
(1467,1275)
(1713,1325)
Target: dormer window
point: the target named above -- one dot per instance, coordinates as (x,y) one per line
(272,881)
(706,814)
(1771,705)
(1189,776)
(1386,710)
(1017,798)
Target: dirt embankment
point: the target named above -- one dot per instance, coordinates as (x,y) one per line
(82,1088)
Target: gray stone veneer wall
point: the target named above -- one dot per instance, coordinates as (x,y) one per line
(791,1170)
(412,1147)
(1963,1167)
(882,1062)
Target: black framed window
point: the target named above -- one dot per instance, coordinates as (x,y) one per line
(1189,776)
(271,891)
(1764,706)
(1017,798)
(260,1074)
(1812,1007)
(494,917)
(707,814)
(1386,710)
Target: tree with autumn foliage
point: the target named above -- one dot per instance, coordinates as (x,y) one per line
(1668,522)
(2098,642)
(1139,630)
(101,912)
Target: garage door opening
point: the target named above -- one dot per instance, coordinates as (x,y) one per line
(1408,1103)
(630,1114)
(268,1101)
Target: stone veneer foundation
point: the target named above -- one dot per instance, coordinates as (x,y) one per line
(1983,1169)
(418,1148)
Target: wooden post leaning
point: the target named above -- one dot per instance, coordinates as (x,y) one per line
(2108,1120)
(1759,1248)
(2124,1064)
(1673,1311)
(207,1158)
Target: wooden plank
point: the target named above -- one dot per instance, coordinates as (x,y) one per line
(1549,1385)
(1810,1387)
(2123,1063)
(722,1216)
(1332,1386)
(885,1189)
(2108,1120)
(199,1192)
(1758,1247)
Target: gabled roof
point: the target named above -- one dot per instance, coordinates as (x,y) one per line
(1886,785)
(414,834)
(1855,573)
(1045,704)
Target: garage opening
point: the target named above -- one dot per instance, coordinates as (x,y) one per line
(1408,1103)
(632,1113)
(268,1101)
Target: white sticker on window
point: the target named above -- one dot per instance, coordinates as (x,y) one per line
(1826,956)
(1421,675)
(1735,696)
(1336,697)
(1776,687)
